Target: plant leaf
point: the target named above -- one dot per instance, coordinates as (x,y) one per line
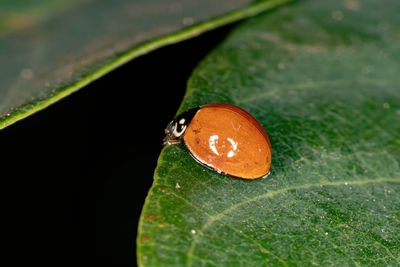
(322,77)
(49,49)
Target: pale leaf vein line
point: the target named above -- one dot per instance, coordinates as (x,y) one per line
(272,193)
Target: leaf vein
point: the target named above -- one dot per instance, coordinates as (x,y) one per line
(272,193)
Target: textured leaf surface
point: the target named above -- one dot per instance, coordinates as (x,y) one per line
(49,49)
(322,77)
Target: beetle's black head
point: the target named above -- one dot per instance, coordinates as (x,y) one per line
(177,127)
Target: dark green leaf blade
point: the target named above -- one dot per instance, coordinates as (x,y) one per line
(323,79)
(49,49)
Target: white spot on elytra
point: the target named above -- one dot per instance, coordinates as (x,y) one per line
(212,142)
(182,121)
(233,146)
(233,143)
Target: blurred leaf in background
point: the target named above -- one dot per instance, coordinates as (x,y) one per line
(49,49)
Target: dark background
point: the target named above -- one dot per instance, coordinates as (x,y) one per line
(75,175)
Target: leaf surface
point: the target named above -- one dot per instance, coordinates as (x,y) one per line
(49,49)
(322,77)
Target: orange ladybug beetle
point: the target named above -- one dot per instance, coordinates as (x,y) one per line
(223,138)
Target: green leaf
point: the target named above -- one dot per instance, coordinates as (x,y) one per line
(323,79)
(49,49)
